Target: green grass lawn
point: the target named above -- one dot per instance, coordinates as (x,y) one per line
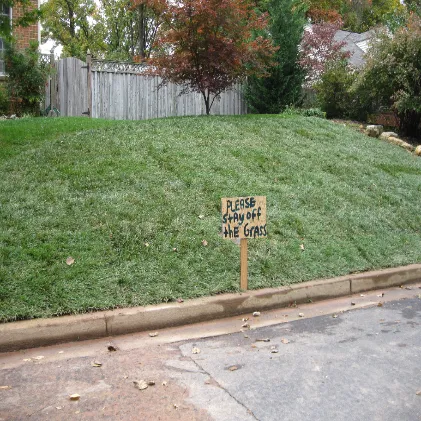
(100,190)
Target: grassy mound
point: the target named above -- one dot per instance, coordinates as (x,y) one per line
(119,197)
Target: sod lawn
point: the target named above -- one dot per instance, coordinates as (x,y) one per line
(131,203)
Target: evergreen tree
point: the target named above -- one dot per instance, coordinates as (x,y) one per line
(283,85)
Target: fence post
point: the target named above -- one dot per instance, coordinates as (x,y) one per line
(89,80)
(53,84)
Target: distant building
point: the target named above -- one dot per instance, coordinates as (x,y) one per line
(23,35)
(356,44)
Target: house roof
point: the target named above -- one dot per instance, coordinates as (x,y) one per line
(356,44)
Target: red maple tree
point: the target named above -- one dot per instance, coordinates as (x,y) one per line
(208,45)
(318,48)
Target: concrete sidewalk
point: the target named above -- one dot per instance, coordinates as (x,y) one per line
(40,332)
(355,357)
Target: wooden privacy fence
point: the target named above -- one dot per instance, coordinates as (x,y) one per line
(119,91)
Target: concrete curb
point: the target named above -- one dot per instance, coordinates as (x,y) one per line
(40,332)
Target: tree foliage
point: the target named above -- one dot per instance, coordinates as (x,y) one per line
(392,75)
(282,87)
(319,48)
(208,45)
(113,29)
(357,15)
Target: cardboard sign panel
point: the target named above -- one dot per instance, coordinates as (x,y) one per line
(244,217)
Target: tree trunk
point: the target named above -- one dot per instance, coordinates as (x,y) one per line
(142,32)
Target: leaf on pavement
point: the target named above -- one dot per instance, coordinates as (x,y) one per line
(74,397)
(195,350)
(39,357)
(233,368)
(140,384)
(5,387)
(263,340)
(285,341)
(96,364)
(418,393)
(300,314)
(112,348)
(153,334)
(380,305)
(151,383)
(256,314)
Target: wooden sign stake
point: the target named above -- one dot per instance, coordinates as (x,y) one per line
(243,264)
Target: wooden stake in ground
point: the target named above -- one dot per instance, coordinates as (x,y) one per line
(244,218)
(243,264)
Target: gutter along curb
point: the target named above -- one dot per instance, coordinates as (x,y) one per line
(40,332)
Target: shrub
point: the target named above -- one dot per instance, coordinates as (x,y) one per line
(26,78)
(305,112)
(392,76)
(4,99)
(333,90)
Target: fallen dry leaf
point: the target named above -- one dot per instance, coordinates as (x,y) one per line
(164,383)
(302,247)
(204,243)
(274,351)
(362,295)
(233,368)
(180,300)
(61,352)
(27,359)
(96,364)
(201,216)
(245,325)
(153,334)
(175,406)
(244,319)
(151,383)
(285,341)
(112,348)
(74,397)
(59,407)
(380,305)
(300,314)
(5,387)
(195,350)
(381,295)
(70,261)
(39,357)
(174,249)
(335,316)
(140,384)
(256,314)
(146,244)
(352,303)
(263,340)
(418,393)
(246,336)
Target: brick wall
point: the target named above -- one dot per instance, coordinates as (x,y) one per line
(25,35)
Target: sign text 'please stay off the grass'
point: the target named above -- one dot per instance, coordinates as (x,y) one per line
(244,217)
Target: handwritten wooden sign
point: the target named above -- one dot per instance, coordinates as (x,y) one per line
(244,217)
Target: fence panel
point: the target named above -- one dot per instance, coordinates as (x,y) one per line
(122,94)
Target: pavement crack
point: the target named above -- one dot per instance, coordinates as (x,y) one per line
(249,411)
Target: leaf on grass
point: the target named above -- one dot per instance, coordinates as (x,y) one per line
(201,216)
(195,350)
(5,387)
(70,261)
(74,397)
(146,244)
(96,364)
(153,334)
(204,243)
(174,249)
(256,314)
(302,247)
(285,341)
(140,384)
